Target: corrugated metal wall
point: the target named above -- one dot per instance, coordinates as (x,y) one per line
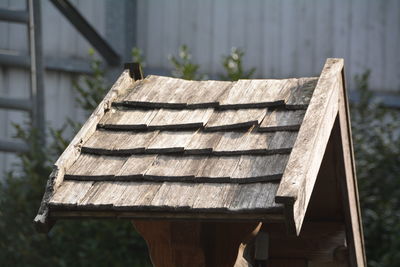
(281,38)
(60,40)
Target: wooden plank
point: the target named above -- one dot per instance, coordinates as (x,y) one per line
(346,168)
(282,120)
(207,94)
(143,90)
(260,168)
(137,119)
(118,142)
(138,89)
(70,192)
(158,93)
(235,119)
(170,119)
(300,96)
(299,177)
(145,212)
(103,195)
(169,141)
(255,196)
(176,195)
(90,167)
(257,93)
(135,167)
(215,196)
(254,142)
(218,169)
(203,142)
(282,142)
(175,167)
(137,196)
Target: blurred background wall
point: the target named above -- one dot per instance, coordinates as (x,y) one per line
(281,38)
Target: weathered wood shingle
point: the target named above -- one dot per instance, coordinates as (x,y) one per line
(174,145)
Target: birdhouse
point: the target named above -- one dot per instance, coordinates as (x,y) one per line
(256,172)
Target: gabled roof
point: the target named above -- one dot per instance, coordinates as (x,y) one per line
(163,147)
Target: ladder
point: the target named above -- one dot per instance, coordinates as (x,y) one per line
(35,103)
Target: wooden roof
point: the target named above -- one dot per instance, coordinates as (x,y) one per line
(163,147)
(168,145)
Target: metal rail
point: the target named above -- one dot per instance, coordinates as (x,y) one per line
(87,31)
(37,84)
(18,16)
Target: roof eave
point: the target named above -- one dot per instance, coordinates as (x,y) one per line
(42,221)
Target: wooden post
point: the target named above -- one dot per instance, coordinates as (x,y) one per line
(195,243)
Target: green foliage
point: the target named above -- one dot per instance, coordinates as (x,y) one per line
(233,65)
(137,56)
(70,243)
(376,136)
(94,86)
(376,131)
(183,66)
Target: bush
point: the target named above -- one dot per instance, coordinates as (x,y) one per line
(376,136)
(376,132)
(69,243)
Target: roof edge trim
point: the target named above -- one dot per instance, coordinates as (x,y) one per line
(305,160)
(42,221)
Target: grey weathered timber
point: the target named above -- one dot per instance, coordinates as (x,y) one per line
(261,193)
(170,141)
(154,92)
(119,142)
(90,167)
(70,192)
(265,168)
(103,195)
(282,120)
(300,95)
(232,169)
(235,119)
(253,142)
(135,167)
(256,93)
(137,119)
(180,119)
(349,185)
(218,169)
(169,167)
(72,152)
(167,196)
(207,94)
(300,174)
(203,142)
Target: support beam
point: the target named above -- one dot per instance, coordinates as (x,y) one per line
(87,31)
(18,16)
(78,66)
(15,103)
(195,243)
(13,146)
(37,70)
